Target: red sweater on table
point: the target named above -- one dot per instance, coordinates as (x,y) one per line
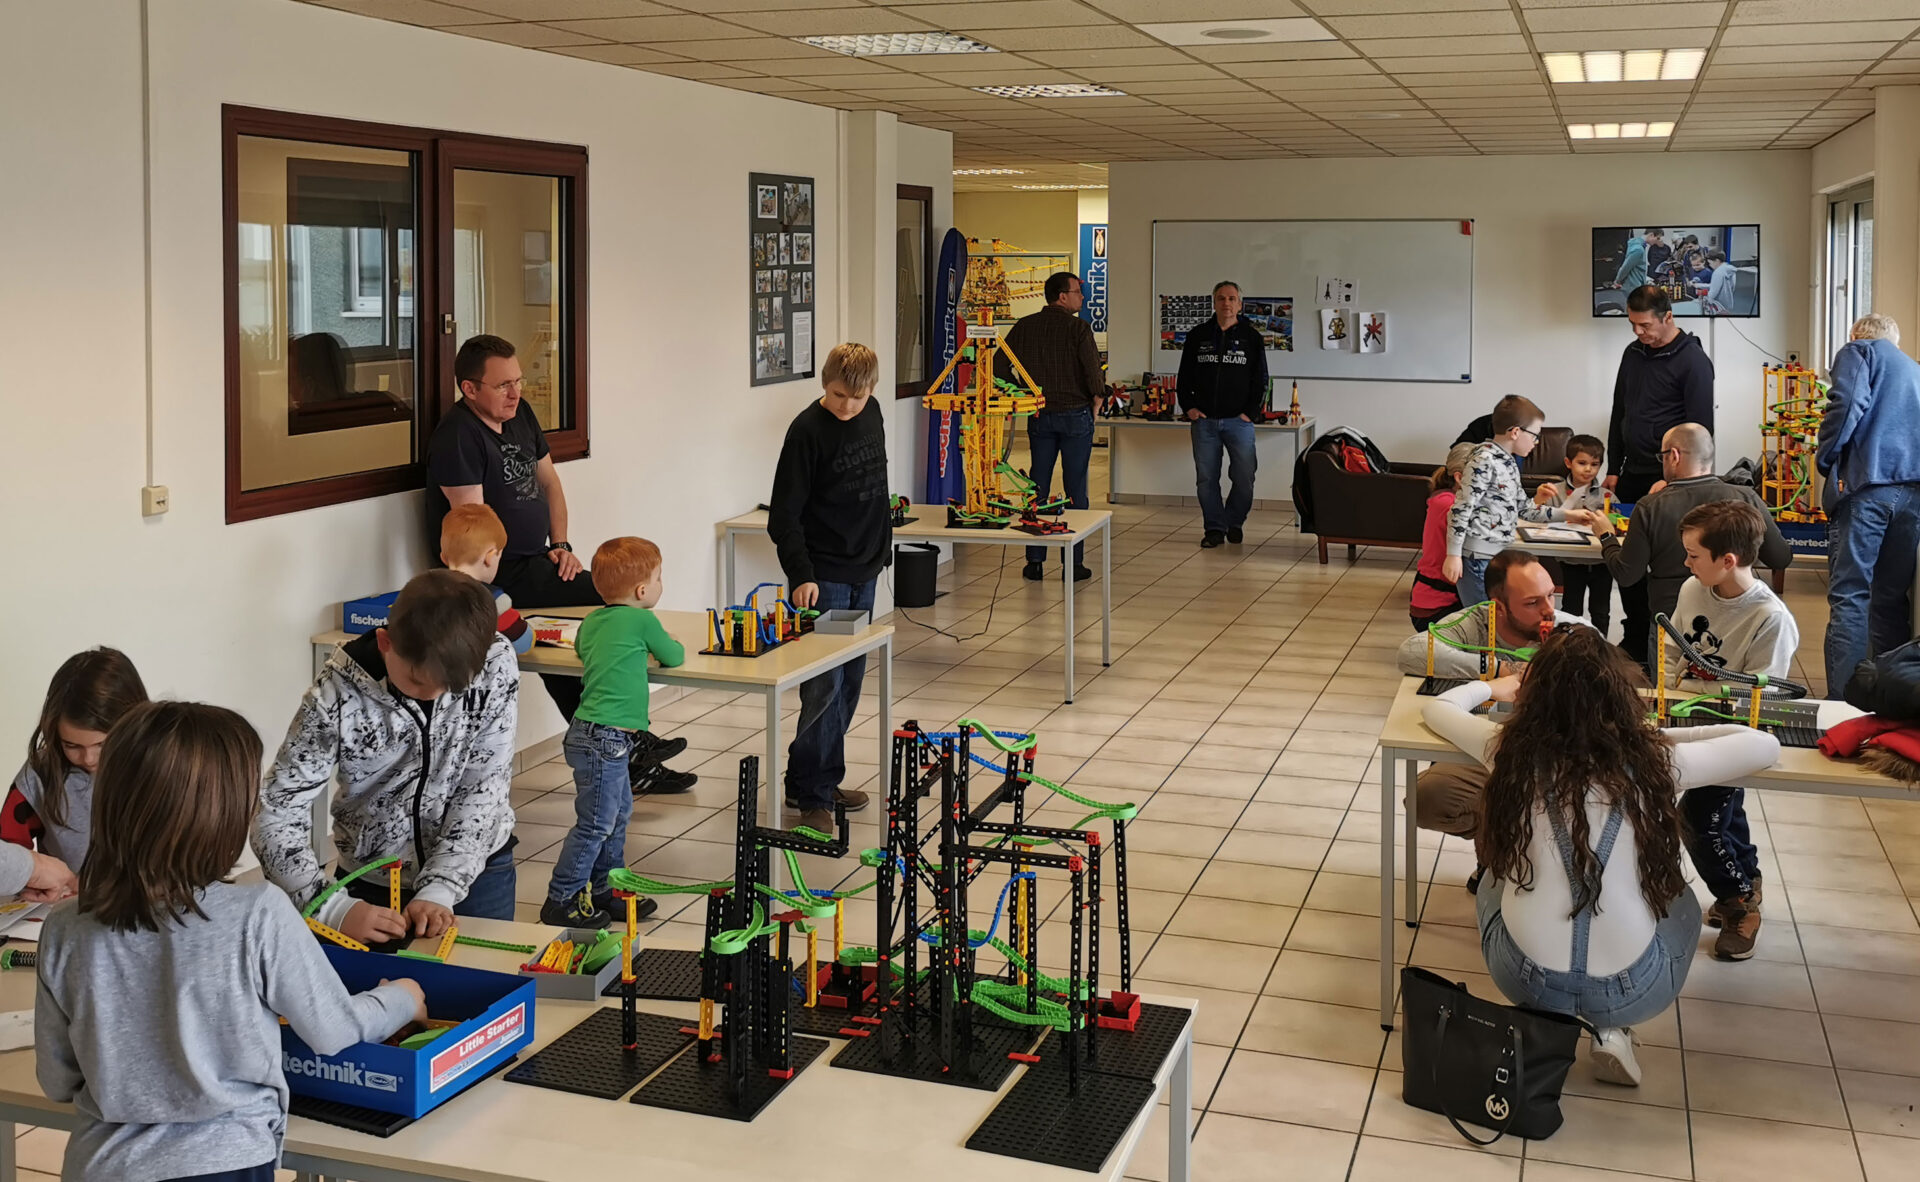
(1433,552)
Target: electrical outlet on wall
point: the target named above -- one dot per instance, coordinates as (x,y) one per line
(154,500)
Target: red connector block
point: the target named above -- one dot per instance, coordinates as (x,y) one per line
(1120,1011)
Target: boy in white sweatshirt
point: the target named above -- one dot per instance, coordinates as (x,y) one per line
(1737,623)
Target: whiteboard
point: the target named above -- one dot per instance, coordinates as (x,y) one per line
(1419,273)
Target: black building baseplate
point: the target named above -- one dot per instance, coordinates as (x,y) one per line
(589,1060)
(1038,1121)
(991,1046)
(690,1084)
(662,974)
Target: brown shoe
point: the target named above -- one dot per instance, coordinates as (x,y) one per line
(1716,914)
(1739,927)
(818,820)
(852,799)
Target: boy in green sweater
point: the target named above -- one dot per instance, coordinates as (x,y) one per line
(613,644)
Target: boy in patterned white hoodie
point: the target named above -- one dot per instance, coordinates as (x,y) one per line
(418,720)
(1492,499)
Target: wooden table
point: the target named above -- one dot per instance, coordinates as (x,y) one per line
(930,526)
(1152,458)
(769,676)
(1406,739)
(496,1131)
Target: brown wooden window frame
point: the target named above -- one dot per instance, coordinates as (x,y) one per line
(438,154)
(924,195)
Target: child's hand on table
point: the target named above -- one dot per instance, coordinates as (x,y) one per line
(372,925)
(413,989)
(805,595)
(427,918)
(51,879)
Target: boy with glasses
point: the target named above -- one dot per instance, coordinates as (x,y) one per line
(1491,499)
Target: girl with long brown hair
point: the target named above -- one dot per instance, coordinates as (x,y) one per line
(1584,909)
(51,803)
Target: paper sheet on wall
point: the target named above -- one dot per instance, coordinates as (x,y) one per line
(1373,331)
(802,337)
(1335,328)
(1334,291)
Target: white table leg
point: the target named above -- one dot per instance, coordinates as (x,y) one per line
(1388,806)
(1066,582)
(1413,850)
(776,789)
(1115,469)
(1106,593)
(1180,1111)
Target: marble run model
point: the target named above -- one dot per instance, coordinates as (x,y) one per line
(1795,399)
(390,865)
(1772,704)
(987,411)
(748,630)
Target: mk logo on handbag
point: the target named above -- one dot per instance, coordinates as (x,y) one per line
(1497,1108)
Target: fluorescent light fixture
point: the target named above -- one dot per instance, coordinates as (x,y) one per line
(1051,187)
(1619,131)
(1053,90)
(989,172)
(896,44)
(1633,65)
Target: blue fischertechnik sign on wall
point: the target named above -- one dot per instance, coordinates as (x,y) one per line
(1093,261)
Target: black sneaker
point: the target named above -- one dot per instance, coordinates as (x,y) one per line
(661,780)
(616,908)
(650,749)
(1034,571)
(1234,535)
(1212,538)
(1081,574)
(580,911)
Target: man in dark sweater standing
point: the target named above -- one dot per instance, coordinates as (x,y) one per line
(1057,350)
(1223,380)
(830,521)
(1665,379)
(1652,560)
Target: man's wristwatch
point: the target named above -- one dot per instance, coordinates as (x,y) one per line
(567,546)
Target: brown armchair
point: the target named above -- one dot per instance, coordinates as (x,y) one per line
(1368,509)
(1548,460)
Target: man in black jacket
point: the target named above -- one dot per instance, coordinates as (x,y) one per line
(1058,351)
(1223,381)
(1665,379)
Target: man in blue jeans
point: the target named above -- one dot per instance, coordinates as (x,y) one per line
(1870,451)
(830,521)
(1222,383)
(1058,351)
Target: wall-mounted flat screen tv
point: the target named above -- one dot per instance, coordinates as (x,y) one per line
(1705,270)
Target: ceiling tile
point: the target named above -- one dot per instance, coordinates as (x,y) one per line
(410,12)
(1198,10)
(1119,76)
(1678,13)
(1067,37)
(1172,91)
(1622,39)
(1820,11)
(1347,67)
(560,10)
(823,64)
(811,22)
(653,29)
(1272,51)
(1851,51)
(1004,14)
(1084,59)
(1428,24)
(747,49)
(701,71)
(528,36)
(731,6)
(1476,63)
(1841,70)
(1387,47)
(617,55)
(1738,34)
(1382,7)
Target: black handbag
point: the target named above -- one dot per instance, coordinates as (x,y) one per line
(1497,1066)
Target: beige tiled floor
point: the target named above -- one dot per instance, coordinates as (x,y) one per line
(1240,710)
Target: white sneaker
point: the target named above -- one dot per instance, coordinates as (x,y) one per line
(1613,1060)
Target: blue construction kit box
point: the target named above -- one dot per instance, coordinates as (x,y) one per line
(364,615)
(495,1012)
(1805,537)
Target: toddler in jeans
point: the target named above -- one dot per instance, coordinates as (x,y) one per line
(614,644)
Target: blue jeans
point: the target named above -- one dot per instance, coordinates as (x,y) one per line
(490,896)
(260,1173)
(1636,994)
(817,759)
(602,804)
(1210,438)
(1871,539)
(1718,840)
(1067,435)
(1472,584)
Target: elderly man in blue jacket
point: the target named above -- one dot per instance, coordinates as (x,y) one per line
(1870,451)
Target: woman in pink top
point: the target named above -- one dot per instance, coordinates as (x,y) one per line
(1433,597)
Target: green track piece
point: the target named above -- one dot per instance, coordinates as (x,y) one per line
(414,1042)
(626,880)
(410,954)
(496,945)
(605,947)
(340,883)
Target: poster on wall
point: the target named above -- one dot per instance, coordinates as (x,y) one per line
(1178,313)
(1093,277)
(1335,328)
(1272,318)
(1373,331)
(780,276)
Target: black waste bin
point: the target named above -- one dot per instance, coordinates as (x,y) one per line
(916,565)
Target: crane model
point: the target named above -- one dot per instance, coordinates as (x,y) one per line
(987,409)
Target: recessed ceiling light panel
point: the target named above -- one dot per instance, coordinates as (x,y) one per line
(1619,131)
(989,172)
(1051,187)
(1633,65)
(1053,90)
(896,44)
(1253,32)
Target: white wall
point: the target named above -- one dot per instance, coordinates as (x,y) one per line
(221,612)
(1533,332)
(1844,158)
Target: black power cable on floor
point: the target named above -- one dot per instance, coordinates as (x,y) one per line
(984,628)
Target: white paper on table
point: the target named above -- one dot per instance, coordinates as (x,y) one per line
(16,915)
(16,1029)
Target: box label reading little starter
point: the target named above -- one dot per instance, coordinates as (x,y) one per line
(474,1049)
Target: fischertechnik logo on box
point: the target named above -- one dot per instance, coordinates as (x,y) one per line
(364,618)
(343,1072)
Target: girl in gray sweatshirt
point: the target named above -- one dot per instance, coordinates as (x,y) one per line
(161,989)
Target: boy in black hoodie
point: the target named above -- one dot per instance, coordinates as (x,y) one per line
(832,526)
